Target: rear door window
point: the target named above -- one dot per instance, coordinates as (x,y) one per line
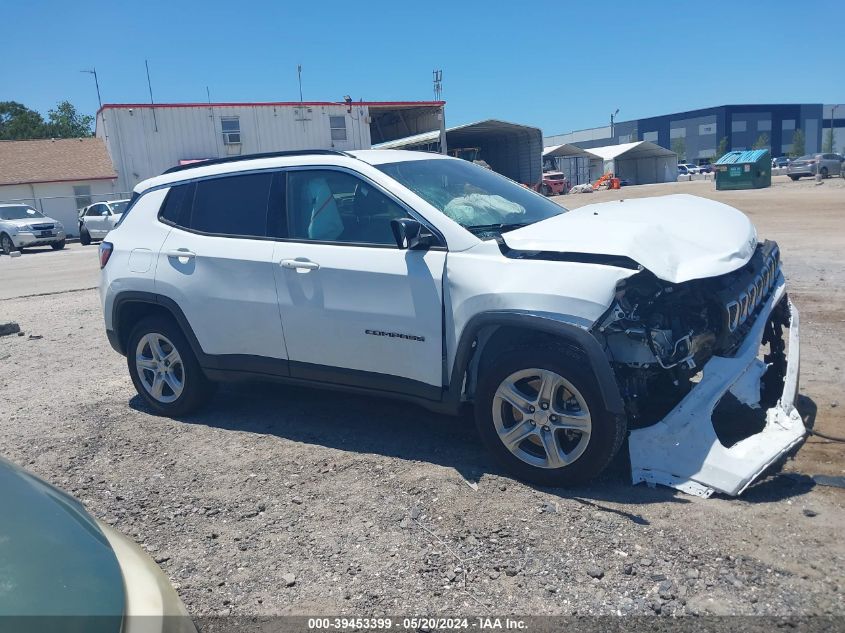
(232,205)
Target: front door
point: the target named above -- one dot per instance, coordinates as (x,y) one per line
(356,309)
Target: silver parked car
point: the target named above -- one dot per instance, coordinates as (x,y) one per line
(22,226)
(97,219)
(825,164)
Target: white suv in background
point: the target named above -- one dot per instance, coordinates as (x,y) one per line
(22,226)
(96,220)
(427,278)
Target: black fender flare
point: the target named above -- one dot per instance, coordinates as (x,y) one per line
(117,337)
(572,329)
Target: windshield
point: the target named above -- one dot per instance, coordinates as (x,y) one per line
(478,199)
(119,207)
(19,213)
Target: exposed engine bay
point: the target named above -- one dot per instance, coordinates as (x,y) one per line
(658,335)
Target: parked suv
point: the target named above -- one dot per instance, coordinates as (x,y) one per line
(427,278)
(825,164)
(96,220)
(22,226)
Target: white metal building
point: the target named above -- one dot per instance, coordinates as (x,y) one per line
(144,140)
(57,176)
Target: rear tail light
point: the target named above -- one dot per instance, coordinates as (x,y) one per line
(106,249)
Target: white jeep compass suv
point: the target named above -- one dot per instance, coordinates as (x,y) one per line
(427,278)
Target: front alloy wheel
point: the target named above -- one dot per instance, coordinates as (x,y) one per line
(6,244)
(541,418)
(539,411)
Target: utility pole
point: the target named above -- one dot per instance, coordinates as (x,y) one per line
(832,136)
(152,103)
(438,96)
(93,71)
(299,74)
(612,135)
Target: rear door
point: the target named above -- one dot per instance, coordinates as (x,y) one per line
(357,310)
(216,263)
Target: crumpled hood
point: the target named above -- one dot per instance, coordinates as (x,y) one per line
(678,237)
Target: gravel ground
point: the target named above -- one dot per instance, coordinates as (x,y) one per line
(278,500)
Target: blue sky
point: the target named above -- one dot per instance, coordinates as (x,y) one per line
(558,65)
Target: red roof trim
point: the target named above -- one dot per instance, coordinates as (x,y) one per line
(41,182)
(272,103)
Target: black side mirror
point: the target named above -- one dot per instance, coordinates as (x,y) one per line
(411,235)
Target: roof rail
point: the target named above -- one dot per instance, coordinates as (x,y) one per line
(234,159)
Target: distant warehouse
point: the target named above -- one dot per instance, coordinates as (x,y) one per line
(696,136)
(144,140)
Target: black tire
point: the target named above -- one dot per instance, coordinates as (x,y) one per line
(84,236)
(608,430)
(825,173)
(57,246)
(197,388)
(546,190)
(794,178)
(6,244)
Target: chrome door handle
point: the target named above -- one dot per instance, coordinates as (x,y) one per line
(298,263)
(180,254)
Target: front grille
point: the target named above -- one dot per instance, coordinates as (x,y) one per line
(43,227)
(748,288)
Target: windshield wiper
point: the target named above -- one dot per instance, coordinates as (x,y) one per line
(501,228)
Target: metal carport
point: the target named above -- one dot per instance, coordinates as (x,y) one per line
(510,149)
(578,164)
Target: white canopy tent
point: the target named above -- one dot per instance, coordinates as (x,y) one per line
(640,163)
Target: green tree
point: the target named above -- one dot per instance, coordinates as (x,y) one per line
(762,142)
(827,146)
(679,146)
(19,122)
(722,149)
(798,143)
(66,122)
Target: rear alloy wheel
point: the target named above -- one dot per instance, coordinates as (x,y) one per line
(164,369)
(6,244)
(795,178)
(540,413)
(824,172)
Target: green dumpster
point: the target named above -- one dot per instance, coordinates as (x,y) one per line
(748,169)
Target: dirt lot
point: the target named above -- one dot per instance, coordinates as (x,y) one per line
(379,507)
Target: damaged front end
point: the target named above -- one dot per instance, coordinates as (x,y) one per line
(708,379)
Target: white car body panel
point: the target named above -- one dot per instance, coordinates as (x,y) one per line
(226,291)
(482,279)
(678,237)
(132,262)
(358,290)
(683,451)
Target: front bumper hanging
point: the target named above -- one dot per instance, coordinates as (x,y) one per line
(682,450)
